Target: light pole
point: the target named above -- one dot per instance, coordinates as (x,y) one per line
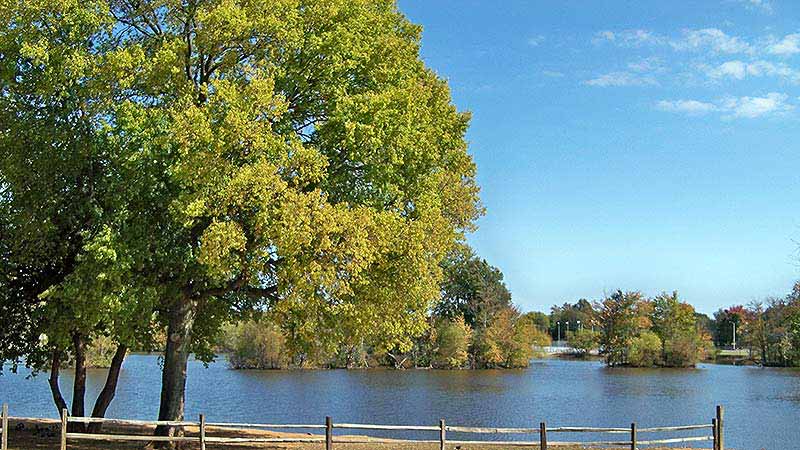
(559,330)
(734,335)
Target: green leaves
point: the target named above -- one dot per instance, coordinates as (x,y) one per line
(295,154)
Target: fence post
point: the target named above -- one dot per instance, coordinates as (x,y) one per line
(720,428)
(714,432)
(442,430)
(202,432)
(542,436)
(328,433)
(4,441)
(633,436)
(64,429)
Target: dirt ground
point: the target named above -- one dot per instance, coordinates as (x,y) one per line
(45,435)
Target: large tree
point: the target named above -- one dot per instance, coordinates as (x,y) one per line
(288,155)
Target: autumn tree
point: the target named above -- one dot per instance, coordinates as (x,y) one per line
(508,341)
(675,323)
(452,339)
(622,316)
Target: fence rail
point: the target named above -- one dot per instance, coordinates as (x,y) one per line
(716,426)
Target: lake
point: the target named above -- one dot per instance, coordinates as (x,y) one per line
(762,405)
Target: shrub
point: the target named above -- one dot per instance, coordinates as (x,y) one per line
(256,345)
(452,342)
(645,350)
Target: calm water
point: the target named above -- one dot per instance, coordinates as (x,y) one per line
(762,405)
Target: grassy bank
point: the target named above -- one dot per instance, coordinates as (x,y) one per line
(44,435)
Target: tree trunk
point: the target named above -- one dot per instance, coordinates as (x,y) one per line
(79,384)
(55,367)
(176,357)
(109,389)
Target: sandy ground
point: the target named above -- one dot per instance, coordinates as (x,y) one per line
(41,434)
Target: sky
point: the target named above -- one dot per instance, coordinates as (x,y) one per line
(635,145)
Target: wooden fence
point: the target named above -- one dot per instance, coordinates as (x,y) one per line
(542,431)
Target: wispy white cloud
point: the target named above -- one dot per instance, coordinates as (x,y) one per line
(733,69)
(740,70)
(621,79)
(534,41)
(691,107)
(732,107)
(761,5)
(604,35)
(650,64)
(751,107)
(709,39)
(712,39)
(789,45)
(628,38)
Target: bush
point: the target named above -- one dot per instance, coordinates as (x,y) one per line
(645,350)
(256,345)
(683,350)
(452,342)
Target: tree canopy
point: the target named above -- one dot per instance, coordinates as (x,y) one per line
(472,288)
(662,331)
(295,156)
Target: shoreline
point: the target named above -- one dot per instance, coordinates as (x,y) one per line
(721,361)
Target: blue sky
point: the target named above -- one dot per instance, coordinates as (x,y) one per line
(642,145)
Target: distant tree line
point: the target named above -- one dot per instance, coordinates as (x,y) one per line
(629,329)
(769,328)
(474,325)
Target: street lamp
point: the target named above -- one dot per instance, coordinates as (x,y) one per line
(734,335)
(559,330)
(579,325)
